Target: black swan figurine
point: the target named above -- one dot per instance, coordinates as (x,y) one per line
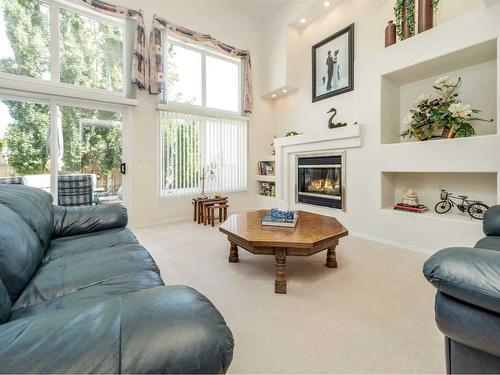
(331,124)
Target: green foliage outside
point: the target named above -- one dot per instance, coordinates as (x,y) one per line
(91,56)
(181,151)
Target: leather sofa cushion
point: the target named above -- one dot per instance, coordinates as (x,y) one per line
(5,304)
(71,221)
(491,223)
(160,330)
(68,274)
(20,252)
(113,287)
(89,242)
(471,275)
(34,206)
(489,242)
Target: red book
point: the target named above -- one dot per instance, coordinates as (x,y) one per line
(404,207)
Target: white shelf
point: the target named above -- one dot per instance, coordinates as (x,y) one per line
(477,185)
(456,216)
(267,158)
(346,132)
(267,198)
(478,66)
(264,178)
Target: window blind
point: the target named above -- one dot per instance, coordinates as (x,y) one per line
(190,143)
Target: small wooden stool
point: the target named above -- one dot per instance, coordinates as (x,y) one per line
(211,214)
(200,207)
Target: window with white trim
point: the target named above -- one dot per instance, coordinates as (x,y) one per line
(193,143)
(202,78)
(201,129)
(63,43)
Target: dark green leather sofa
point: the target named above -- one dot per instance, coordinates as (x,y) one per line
(79,294)
(468,300)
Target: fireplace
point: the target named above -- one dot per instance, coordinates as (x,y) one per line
(320,180)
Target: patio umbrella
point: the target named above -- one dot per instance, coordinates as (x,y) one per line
(58,152)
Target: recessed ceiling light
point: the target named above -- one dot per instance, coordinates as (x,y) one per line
(274,95)
(284,91)
(326,4)
(302,20)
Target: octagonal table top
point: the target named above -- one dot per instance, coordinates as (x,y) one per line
(311,230)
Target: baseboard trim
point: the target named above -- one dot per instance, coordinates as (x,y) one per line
(176,220)
(418,249)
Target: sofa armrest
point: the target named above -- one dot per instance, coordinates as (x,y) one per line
(491,223)
(471,275)
(70,221)
(170,329)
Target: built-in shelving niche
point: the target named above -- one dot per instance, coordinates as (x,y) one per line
(478,67)
(477,185)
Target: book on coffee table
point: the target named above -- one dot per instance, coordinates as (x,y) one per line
(277,222)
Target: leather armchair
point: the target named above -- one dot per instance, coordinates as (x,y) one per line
(467,305)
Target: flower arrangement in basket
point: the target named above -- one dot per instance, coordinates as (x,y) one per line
(442,116)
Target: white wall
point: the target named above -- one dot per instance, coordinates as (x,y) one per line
(297,112)
(231,23)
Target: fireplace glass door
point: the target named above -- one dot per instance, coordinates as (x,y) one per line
(319,181)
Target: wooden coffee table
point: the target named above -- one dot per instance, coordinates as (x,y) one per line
(312,234)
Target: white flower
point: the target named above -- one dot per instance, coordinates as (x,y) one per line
(443,81)
(424,98)
(460,110)
(408,119)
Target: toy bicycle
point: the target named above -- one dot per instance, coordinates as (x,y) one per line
(476,209)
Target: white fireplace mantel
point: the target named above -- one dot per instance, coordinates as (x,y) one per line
(288,148)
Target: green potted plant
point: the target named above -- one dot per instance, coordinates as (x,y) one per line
(443,115)
(404,18)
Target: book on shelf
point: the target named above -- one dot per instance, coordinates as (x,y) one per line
(278,222)
(419,208)
(267,189)
(265,168)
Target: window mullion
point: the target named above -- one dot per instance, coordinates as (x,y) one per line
(204,80)
(55,74)
(55,125)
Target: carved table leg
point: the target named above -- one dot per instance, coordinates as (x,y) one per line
(280,283)
(233,253)
(331,258)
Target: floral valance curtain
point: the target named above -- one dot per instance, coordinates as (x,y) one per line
(139,74)
(157,76)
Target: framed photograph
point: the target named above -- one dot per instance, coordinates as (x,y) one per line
(333,65)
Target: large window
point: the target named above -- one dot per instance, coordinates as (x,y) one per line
(45,138)
(23,140)
(87,49)
(202,78)
(191,142)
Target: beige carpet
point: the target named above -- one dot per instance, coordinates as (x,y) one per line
(374,314)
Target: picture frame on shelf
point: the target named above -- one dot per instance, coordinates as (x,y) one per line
(269,170)
(333,65)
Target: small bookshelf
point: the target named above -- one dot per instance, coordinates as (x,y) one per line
(266,178)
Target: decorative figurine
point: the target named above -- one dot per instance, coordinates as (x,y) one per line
(476,209)
(410,198)
(331,124)
(273,148)
(208,173)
